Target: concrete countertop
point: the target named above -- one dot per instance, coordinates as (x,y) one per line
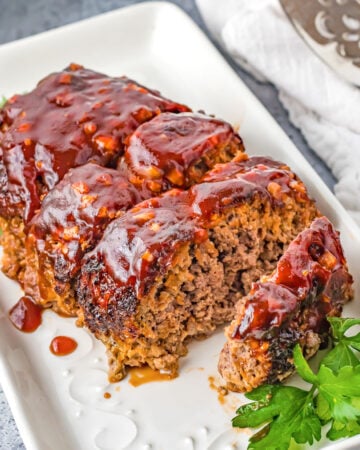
(20,18)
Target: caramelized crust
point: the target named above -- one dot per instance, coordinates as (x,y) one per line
(311,281)
(70,118)
(175,150)
(135,288)
(71,220)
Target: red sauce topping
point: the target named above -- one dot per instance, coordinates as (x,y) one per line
(140,246)
(230,186)
(312,271)
(26,315)
(70,118)
(75,213)
(62,345)
(162,152)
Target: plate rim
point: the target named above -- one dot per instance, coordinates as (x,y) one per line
(31,438)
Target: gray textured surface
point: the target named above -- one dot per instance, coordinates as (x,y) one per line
(20,18)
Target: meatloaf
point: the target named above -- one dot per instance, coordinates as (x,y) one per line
(311,281)
(175,150)
(173,267)
(70,118)
(74,214)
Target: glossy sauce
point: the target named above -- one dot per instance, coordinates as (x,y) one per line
(70,118)
(312,270)
(161,152)
(142,375)
(63,345)
(229,185)
(26,315)
(150,234)
(75,213)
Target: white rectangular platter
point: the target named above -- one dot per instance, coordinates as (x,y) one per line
(59,403)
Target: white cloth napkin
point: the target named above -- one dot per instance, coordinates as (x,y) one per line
(260,38)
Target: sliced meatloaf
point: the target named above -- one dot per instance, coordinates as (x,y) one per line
(71,221)
(173,267)
(74,214)
(175,150)
(70,118)
(311,281)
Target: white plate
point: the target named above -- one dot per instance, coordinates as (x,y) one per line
(58,403)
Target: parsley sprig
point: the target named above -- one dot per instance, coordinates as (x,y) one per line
(289,413)
(3,100)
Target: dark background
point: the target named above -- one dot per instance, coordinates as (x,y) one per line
(20,18)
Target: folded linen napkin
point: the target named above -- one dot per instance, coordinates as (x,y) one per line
(259,37)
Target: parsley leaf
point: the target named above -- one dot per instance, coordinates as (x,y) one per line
(340,326)
(338,399)
(338,430)
(342,354)
(341,392)
(290,412)
(3,100)
(302,366)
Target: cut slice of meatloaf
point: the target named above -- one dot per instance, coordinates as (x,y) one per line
(175,150)
(71,221)
(173,267)
(70,118)
(311,281)
(72,218)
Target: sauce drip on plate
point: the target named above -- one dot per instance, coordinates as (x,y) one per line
(62,345)
(142,375)
(25,315)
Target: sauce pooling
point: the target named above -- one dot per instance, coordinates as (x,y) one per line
(142,375)
(63,345)
(26,315)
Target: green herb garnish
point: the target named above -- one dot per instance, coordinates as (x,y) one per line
(3,100)
(290,413)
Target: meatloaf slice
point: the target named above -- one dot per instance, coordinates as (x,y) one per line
(172,268)
(311,281)
(70,118)
(70,222)
(175,150)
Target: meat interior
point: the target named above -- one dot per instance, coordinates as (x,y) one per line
(310,283)
(12,241)
(198,292)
